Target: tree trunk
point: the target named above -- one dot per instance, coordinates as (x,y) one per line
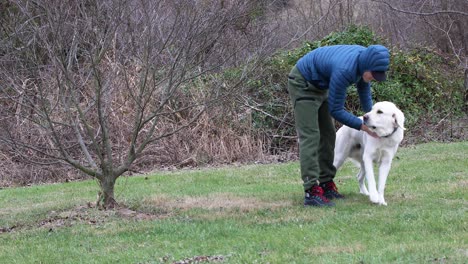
(466,89)
(106,194)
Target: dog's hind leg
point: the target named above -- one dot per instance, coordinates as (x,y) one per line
(361,176)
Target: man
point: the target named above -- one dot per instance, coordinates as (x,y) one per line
(317,87)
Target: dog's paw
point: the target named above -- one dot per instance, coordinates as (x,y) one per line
(374,197)
(382,201)
(363,190)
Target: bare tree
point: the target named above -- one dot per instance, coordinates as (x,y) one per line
(93,83)
(441,22)
(308,20)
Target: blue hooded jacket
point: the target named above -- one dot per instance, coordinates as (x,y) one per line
(336,68)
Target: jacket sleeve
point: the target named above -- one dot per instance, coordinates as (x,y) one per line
(339,83)
(365,96)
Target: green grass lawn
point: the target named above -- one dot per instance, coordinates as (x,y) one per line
(247,214)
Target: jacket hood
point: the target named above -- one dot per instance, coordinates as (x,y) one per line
(374,58)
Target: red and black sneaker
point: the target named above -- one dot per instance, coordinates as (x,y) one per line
(330,190)
(314,197)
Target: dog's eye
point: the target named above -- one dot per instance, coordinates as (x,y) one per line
(379,112)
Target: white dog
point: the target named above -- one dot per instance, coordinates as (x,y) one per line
(387,121)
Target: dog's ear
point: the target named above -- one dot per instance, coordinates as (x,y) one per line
(399,119)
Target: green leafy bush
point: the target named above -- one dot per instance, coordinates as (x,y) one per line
(423,84)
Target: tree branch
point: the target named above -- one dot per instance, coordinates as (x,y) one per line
(453,12)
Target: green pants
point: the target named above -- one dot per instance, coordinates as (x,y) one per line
(315,129)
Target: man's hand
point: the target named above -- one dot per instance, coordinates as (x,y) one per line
(368,131)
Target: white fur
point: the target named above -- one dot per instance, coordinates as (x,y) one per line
(383,119)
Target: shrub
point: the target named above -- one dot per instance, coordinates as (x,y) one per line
(422,83)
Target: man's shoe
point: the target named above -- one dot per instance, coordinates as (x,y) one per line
(314,197)
(330,191)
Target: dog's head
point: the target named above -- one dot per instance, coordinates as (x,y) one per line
(384,118)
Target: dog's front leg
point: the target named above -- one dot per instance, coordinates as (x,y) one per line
(369,172)
(384,170)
